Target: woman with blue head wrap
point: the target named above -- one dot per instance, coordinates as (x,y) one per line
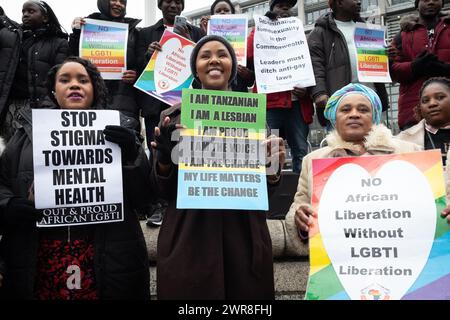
(355,113)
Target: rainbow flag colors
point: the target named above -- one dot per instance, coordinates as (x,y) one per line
(168,72)
(221,155)
(234,28)
(105,43)
(373,63)
(379,234)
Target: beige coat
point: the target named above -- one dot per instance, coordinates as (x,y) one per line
(379,141)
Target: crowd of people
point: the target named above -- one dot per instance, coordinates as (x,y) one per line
(202,254)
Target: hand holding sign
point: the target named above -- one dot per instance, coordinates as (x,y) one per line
(173,51)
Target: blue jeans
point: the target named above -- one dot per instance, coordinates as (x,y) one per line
(292,128)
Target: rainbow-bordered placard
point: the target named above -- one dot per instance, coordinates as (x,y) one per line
(373,63)
(105,43)
(234,29)
(168,72)
(433,282)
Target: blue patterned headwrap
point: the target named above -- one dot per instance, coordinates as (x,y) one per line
(353,88)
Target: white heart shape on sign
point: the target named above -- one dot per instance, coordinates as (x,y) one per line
(172,66)
(376,257)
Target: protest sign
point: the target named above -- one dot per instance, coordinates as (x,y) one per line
(234,29)
(168,71)
(281,55)
(378,234)
(221,159)
(373,62)
(105,44)
(77,173)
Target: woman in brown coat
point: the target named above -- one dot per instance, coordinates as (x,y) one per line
(210,254)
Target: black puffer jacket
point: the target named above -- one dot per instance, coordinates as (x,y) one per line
(330,59)
(48,49)
(121,260)
(122,95)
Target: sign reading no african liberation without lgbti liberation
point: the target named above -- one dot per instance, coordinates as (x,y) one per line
(221,156)
(77,173)
(168,72)
(105,44)
(379,234)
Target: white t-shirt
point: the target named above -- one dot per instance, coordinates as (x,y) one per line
(348,30)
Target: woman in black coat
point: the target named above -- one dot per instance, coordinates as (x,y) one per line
(111,257)
(27,52)
(121,93)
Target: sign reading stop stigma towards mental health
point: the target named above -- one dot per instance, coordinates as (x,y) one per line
(168,72)
(105,44)
(379,234)
(281,55)
(373,62)
(77,173)
(234,28)
(221,159)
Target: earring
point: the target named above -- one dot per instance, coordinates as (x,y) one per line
(54,93)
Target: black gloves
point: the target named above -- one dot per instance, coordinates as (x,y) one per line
(126,139)
(164,144)
(422,63)
(20,211)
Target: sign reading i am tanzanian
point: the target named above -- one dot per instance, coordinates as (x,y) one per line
(221,156)
(105,44)
(378,234)
(234,28)
(281,55)
(77,173)
(373,62)
(168,72)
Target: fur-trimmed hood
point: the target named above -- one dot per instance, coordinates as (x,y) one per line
(408,22)
(379,141)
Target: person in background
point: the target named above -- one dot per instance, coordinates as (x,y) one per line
(27,52)
(211,254)
(111,257)
(355,113)
(122,95)
(151,107)
(290,111)
(246,77)
(332,48)
(422,51)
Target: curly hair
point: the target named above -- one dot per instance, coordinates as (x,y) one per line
(100,89)
(213,6)
(441,80)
